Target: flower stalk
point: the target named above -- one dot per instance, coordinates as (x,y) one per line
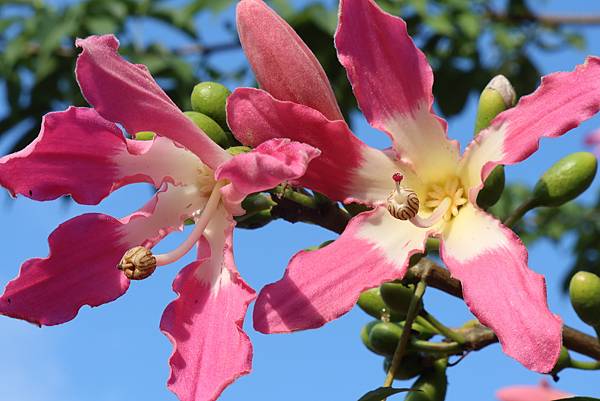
(443,329)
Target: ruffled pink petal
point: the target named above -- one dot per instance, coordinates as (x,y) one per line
(205,322)
(322,285)
(542,392)
(562,102)
(271,163)
(392,82)
(81,154)
(499,288)
(127,94)
(346,168)
(81,268)
(284,66)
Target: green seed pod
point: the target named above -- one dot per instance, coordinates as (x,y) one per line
(238,150)
(364,335)
(257,202)
(411,365)
(397,296)
(254,220)
(384,337)
(584,291)
(432,384)
(144,136)
(210,128)
(566,179)
(492,188)
(564,361)
(371,302)
(210,98)
(497,96)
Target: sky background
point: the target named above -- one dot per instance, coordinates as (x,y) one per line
(116,352)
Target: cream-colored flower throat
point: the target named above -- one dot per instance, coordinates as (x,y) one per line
(442,202)
(205,181)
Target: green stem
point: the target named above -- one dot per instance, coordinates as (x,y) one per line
(445,331)
(595,365)
(520,212)
(410,318)
(300,198)
(441,348)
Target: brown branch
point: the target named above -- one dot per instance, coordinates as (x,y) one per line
(440,278)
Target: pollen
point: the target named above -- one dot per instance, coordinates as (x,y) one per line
(205,180)
(451,189)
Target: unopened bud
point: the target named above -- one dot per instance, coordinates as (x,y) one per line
(364,335)
(371,302)
(384,337)
(238,150)
(564,361)
(210,98)
(492,188)
(566,179)
(410,366)
(397,297)
(432,384)
(498,95)
(584,291)
(138,263)
(210,128)
(144,135)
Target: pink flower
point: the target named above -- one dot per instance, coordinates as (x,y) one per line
(392,82)
(593,140)
(82,152)
(543,392)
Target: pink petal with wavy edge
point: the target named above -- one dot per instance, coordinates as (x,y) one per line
(346,168)
(543,392)
(81,268)
(271,163)
(79,153)
(561,103)
(322,285)
(392,82)
(499,288)
(126,93)
(205,322)
(284,66)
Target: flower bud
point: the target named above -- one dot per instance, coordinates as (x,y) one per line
(384,337)
(238,150)
(411,365)
(144,136)
(565,180)
(432,384)
(210,98)
(210,128)
(492,188)
(498,95)
(584,291)
(254,220)
(397,297)
(370,301)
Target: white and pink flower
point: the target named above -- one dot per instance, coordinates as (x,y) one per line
(392,82)
(82,152)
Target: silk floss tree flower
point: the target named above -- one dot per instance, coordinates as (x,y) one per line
(543,392)
(82,152)
(392,82)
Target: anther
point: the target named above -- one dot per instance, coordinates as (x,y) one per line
(138,263)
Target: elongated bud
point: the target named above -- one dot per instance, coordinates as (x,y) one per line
(364,335)
(138,263)
(411,365)
(498,96)
(254,220)
(210,98)
(584,290)
(144,136)
(210,128)
(565,180)
(432,384)
(370,302)
(397,296)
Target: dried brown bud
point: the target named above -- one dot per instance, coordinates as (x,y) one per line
(138,263)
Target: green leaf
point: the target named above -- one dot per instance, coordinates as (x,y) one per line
(381,393)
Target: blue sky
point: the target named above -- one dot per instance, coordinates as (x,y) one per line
(116,352)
